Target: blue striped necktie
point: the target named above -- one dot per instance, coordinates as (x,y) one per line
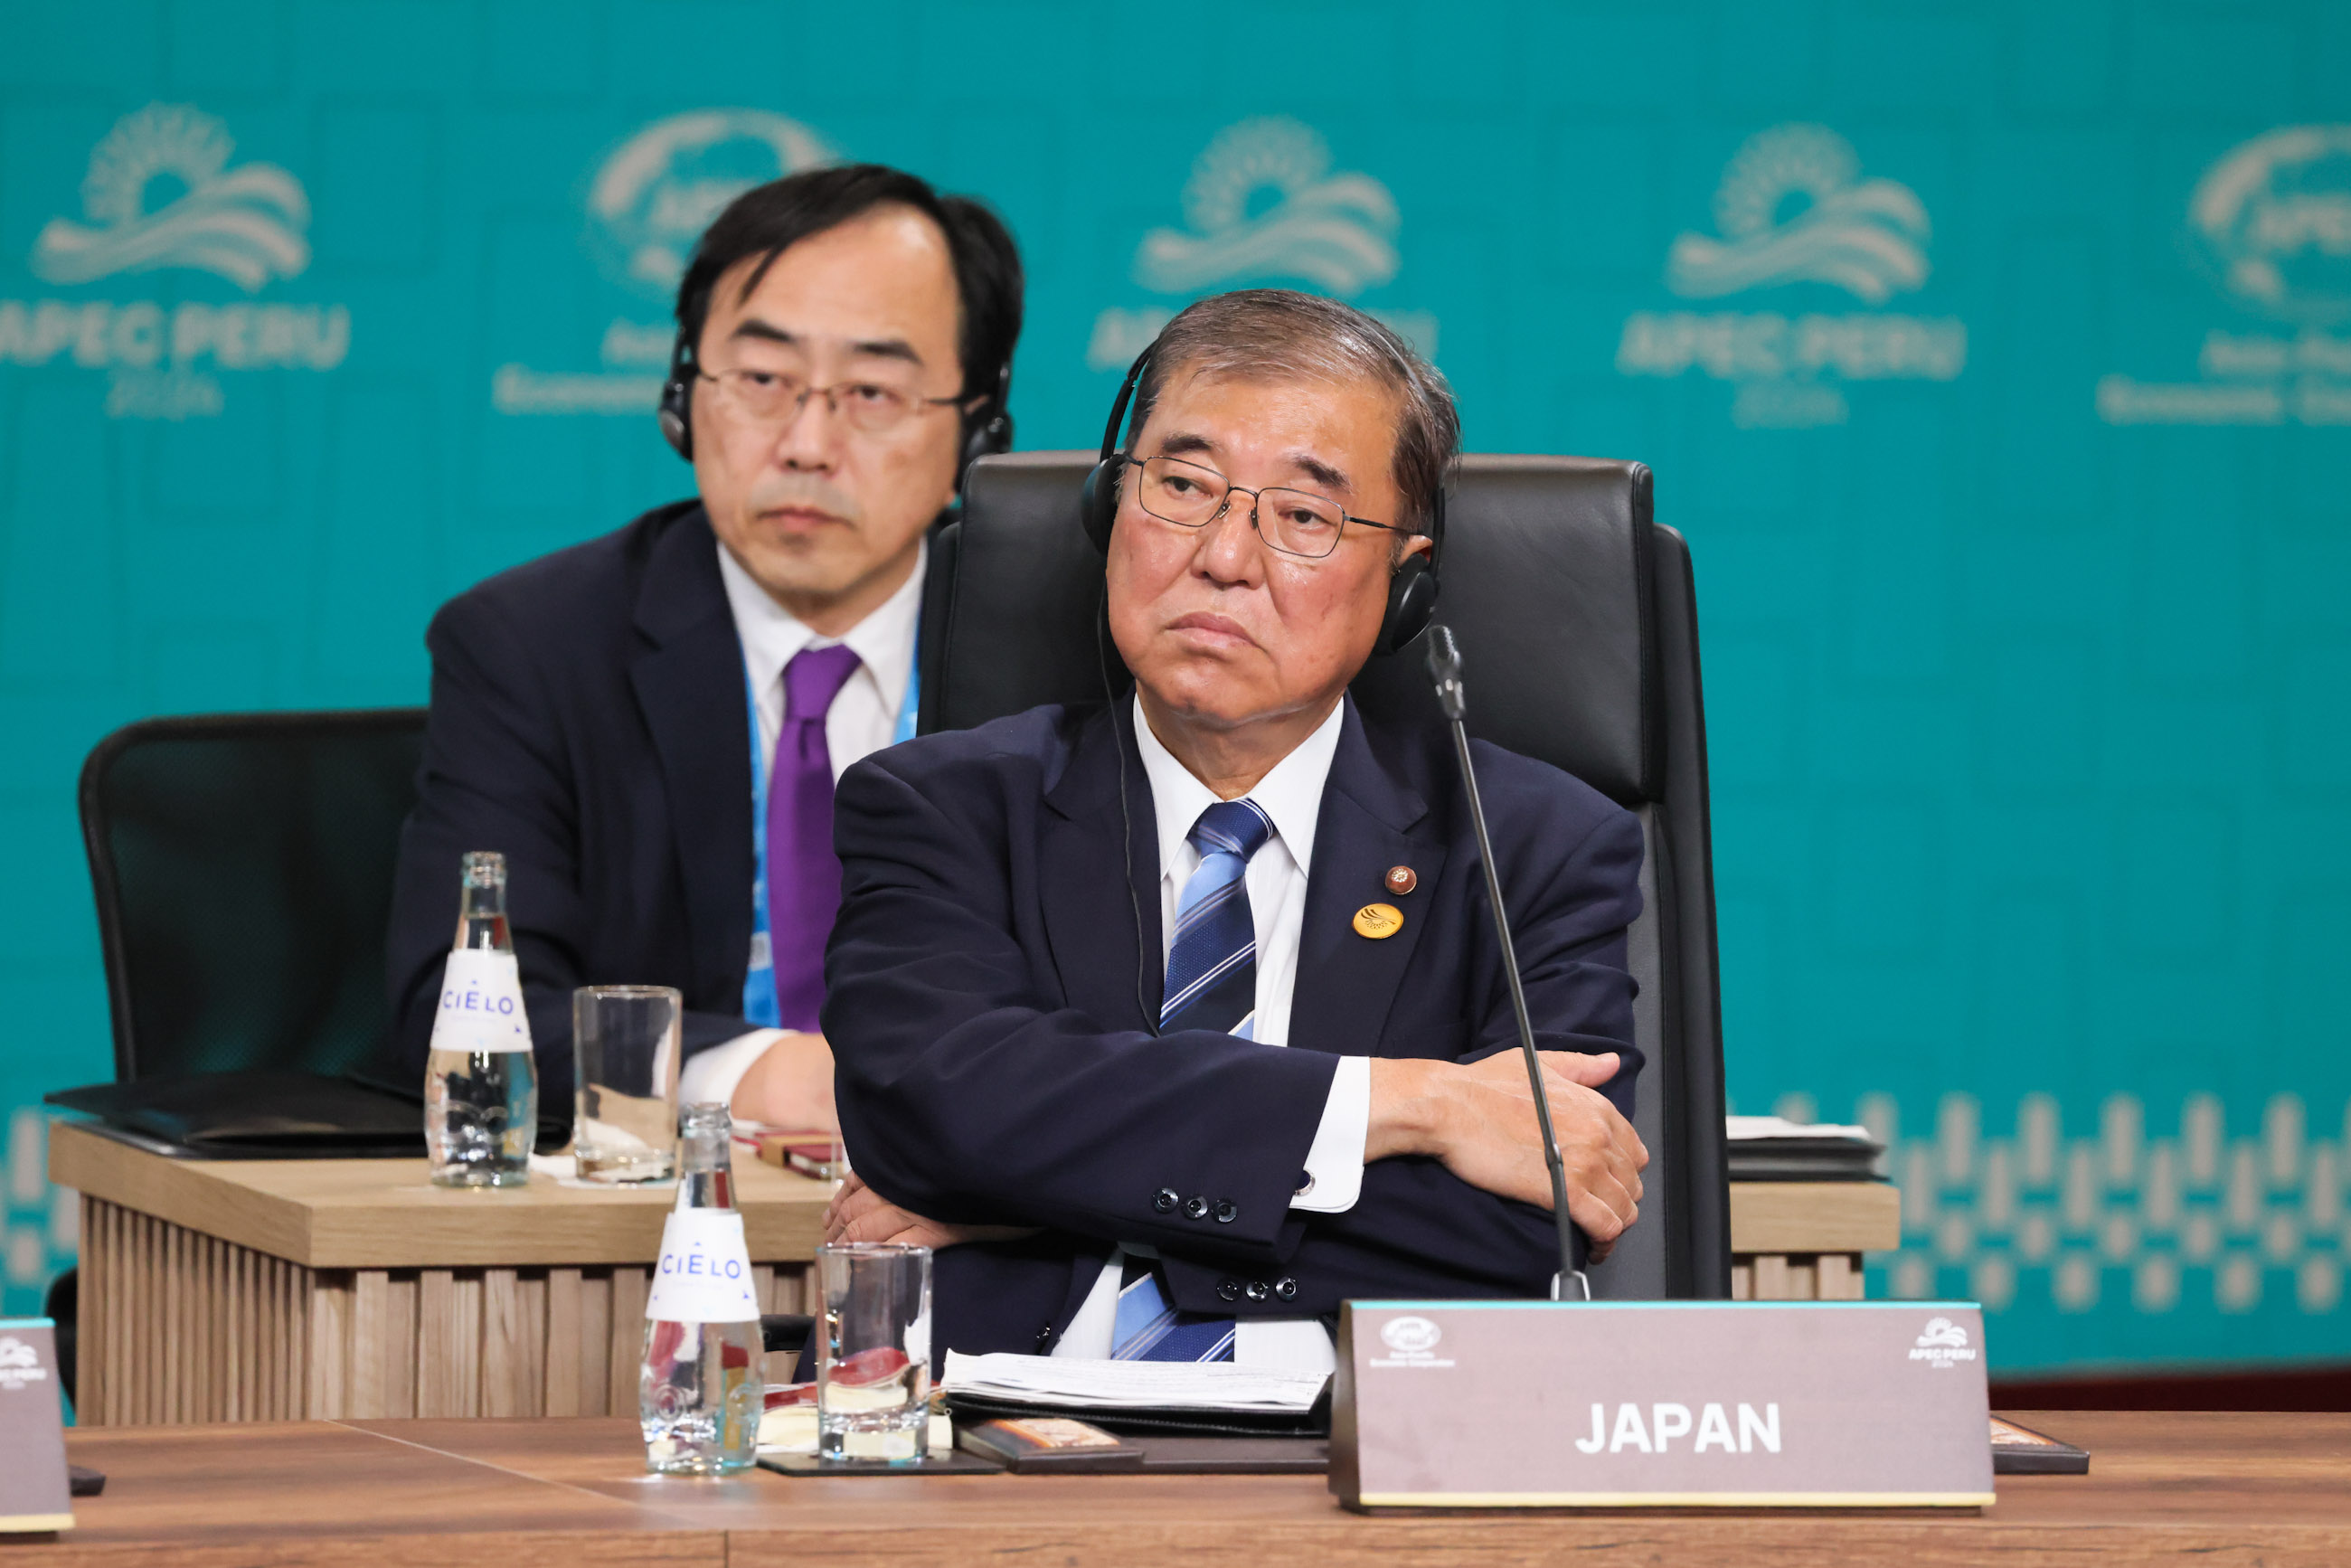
(1212,960)
(1211,984)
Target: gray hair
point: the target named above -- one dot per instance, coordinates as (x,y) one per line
(1279,334)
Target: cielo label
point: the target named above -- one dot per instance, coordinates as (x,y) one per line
(481,1006)
(162,193)
(1264,205)
(646,205)
(1794,208)
(704,1272)
(2269,222)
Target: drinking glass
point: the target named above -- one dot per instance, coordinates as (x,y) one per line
(625,1048)
(874,1351)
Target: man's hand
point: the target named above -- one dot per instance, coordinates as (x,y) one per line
(1479,1119)
(858,1213)
(790,1085)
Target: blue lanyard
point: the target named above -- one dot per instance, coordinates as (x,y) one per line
(759,979)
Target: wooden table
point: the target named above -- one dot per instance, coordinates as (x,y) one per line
(2235,1488)
(280,1290)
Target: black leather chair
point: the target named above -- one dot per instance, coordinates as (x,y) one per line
(1578,625)
(242,864)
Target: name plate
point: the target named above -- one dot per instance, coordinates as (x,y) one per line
(34,1484)
(1489,1404)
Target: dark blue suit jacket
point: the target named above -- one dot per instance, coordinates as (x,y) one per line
(996,1067)
(588,722)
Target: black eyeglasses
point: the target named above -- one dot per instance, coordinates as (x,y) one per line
(1295,522)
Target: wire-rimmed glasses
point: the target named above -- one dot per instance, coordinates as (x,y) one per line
(1295,522)
(772,397)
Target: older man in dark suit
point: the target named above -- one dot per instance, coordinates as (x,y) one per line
(1185,1110)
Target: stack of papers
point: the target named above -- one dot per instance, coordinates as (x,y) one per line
(1071,1382)
(1771,1148)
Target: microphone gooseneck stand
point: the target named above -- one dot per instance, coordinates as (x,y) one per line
(1444,663)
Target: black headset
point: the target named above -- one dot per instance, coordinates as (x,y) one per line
(1412,590)
(987,431)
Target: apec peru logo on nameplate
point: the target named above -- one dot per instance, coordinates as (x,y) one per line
(1660,1404)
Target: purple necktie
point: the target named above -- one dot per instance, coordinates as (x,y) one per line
(803,873)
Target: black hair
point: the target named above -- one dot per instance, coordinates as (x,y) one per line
(768,219)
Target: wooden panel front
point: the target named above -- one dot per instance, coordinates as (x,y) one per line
(181,1327)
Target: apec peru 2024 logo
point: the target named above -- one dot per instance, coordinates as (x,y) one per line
(2269,224)
(1794,208)
(161,194)
(1264,204)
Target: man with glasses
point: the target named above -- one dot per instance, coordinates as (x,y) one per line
(649,725)
(1184,1111)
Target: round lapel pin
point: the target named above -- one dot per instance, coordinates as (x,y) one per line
(1401,879)
(1379,920)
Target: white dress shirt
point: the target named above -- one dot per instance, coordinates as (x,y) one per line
(1291,797)
(863,719)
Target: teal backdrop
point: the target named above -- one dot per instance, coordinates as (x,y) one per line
(1996,360)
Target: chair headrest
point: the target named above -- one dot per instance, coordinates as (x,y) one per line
(1546,586)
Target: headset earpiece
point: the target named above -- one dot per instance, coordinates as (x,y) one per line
(674,414)
(1098,500)
(990,430)
(1412,590)
(1411,600)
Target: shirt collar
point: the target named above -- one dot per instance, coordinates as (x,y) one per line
(1290,795)
(771,635)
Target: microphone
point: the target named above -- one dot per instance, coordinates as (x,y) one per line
(1444,663)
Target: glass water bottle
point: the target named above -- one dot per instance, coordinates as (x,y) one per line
(702,1391)
(481,1085)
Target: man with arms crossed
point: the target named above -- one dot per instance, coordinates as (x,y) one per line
(1200,1152)
(845,344)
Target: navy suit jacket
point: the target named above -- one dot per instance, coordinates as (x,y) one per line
(588,721)
(997,1066)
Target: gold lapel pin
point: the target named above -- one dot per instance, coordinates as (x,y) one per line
(1377,921)
(1401,879)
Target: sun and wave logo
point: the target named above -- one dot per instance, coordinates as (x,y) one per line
(19,1363)
(1793,209)
(2271,221)
(245,224)
(1264,204)
(1867,236)
(1942,1331)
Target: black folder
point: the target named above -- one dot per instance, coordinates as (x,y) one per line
(256,1115)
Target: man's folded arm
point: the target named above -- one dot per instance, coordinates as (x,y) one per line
(964,1099)
(1569,924)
